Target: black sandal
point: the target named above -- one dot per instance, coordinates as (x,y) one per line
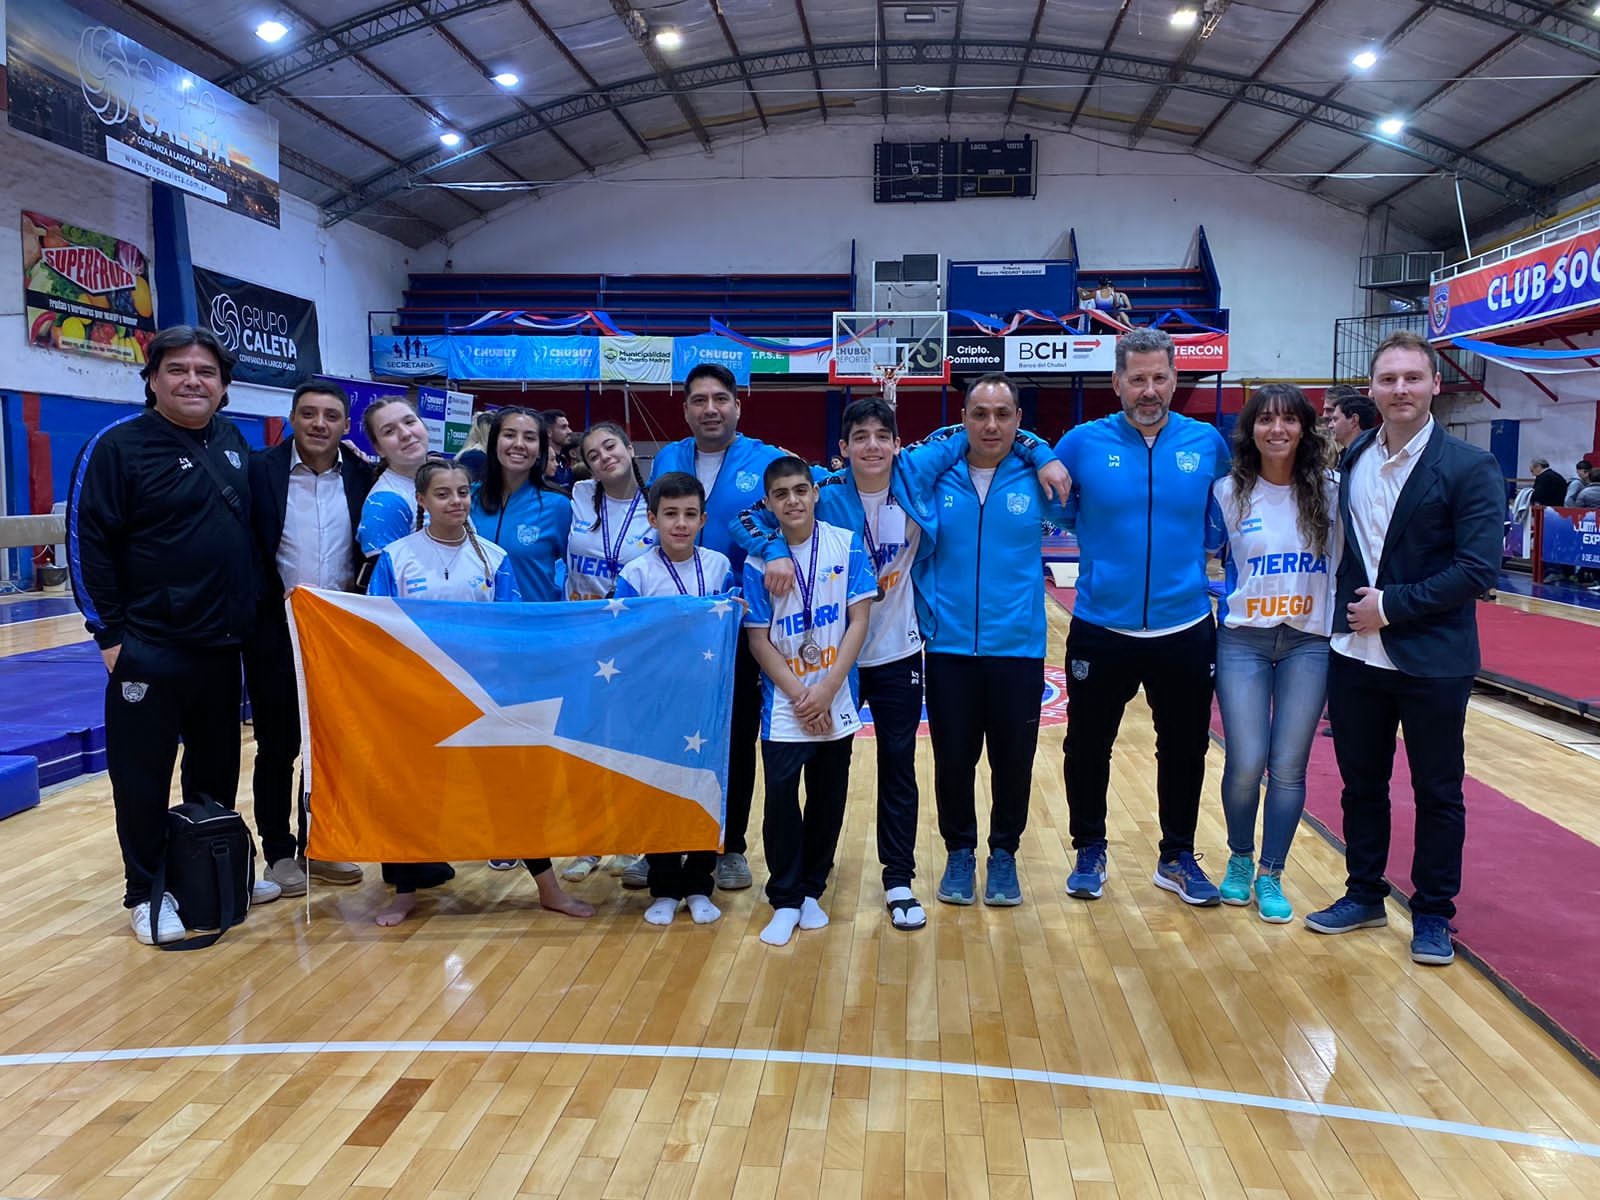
(898,908)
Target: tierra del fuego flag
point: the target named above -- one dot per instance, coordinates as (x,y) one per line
(440,730)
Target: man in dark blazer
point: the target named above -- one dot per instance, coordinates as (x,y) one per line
(1422,514)
(306,495)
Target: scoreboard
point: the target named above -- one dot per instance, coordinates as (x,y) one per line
(907,172)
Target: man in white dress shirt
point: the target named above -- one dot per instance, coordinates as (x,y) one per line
(1422,515)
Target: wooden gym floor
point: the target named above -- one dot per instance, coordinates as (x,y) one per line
(1128,1047)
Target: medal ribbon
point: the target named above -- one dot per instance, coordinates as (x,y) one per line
(808,588)
(613,555)
(699,572)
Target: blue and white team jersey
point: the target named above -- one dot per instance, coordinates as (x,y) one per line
(592,564)
(389,513)
(1273,577)
(893,632)
(531,527)
(707,574)
(418,568)
(843,576)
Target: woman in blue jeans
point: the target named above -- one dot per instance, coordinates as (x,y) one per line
(1274,521)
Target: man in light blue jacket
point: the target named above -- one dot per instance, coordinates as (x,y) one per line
(1141,478)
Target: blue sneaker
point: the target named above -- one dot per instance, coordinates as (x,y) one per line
(1430,940)
(1184,876)
(1271,904)
(1345,914)
(1236,883)
(960,869)
(1001,889)
(1088,876)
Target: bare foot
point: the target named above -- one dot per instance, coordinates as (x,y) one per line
(556,899)
(399,909)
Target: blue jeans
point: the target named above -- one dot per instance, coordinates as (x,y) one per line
(1271,684)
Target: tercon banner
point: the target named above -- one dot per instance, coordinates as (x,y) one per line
(272,334)
(1532,286)
(84,86)
(85,292)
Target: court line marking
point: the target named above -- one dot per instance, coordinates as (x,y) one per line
(1168,1091)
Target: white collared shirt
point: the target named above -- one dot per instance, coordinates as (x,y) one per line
(315,547)
(1376,481)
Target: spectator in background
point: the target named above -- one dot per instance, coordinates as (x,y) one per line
(1549,487)
(563,441)
(473,457)
(1105,298)
(1347,414)
(1589,495)
(1580,480)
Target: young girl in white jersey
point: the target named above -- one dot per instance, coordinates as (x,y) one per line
(677,567)
(397,433)
(444,559)
(610,528)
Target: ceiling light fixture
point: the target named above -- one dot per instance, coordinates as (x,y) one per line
(668,39)
(450,138)
(1184,18)
(271,31)
(923,14)
(185,84)
(1364,61)
(1391,126)
(506,79)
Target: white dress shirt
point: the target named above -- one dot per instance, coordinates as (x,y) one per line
(1376,481)
(315,547)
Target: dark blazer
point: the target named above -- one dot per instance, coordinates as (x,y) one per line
(1549,489)
(269,506)
(1443,550)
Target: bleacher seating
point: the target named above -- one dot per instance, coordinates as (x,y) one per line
(796,305)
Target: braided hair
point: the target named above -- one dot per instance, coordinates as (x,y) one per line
(426,474)
(621,434)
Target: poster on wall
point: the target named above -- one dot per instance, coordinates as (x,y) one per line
(272,334)
(448,415)
(80,84)
(636,359)
(85,292)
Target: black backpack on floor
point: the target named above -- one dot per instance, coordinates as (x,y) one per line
(210,869)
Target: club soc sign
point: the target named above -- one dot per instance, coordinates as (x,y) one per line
(1541,283)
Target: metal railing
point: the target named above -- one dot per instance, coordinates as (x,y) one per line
(1355,338)
(1556,233)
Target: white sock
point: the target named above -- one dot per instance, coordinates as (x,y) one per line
(702,910)
(811,915)
(909,916)
(781,928)
(661,911)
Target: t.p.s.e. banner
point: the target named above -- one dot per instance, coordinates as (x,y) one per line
(80,84)
(85,292)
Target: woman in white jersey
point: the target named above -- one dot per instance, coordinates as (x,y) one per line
(444,559)
(1274,520)
(610,528)
(397,433)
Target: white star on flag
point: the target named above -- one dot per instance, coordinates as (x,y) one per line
(707,655)
(693,742)
(616,607)
(722,608)
(607,669)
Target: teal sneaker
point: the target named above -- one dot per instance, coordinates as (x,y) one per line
(960,870)
(1271,903)
(1235,888)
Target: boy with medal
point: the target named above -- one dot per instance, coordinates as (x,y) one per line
(671,568)
(875,494)
(806,643)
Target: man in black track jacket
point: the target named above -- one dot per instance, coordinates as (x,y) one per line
(158,532)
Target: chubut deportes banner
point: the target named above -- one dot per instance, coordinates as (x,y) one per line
(272,334)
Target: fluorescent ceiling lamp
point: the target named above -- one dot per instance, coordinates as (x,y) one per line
(506,79)
(271,31)
(450,138)
(1184,18)
(669,39)
(1391,126)
(922,15)
(1364,61)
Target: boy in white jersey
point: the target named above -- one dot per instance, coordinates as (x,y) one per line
(806,643)
(675,566)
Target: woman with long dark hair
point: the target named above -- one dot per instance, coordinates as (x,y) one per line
(517,509)
(1274,521)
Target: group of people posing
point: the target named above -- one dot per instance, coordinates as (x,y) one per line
(908,576)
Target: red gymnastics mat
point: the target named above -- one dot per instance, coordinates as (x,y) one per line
(1547,657)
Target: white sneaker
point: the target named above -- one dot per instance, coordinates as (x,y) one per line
(168,924)
(580,868)
(264,892)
